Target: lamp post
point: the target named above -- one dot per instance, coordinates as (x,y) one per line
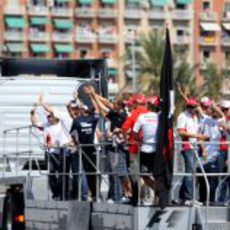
(133,56)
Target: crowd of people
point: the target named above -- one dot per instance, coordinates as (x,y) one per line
(127,137)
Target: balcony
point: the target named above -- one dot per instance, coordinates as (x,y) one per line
(181,40)
(38,10)
(156,14)
(85,38)
(207,41)
(62,12)
(62,37)
(182,15)
(85,12)
(14,36)
(132,14)
(225,41)
(38,36)
(107,13)
(107,38)
(15,10)
(208,16)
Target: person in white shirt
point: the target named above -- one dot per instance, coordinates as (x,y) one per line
(57,138)
(188,130)
(147,123)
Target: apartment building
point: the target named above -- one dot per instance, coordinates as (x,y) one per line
(92,29)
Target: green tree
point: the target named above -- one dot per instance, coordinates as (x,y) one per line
(213,81)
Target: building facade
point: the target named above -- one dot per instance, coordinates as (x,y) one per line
(107,28)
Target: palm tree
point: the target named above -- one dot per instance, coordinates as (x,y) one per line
(149,59)
(213,81)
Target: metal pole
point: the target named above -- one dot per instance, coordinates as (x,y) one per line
(134,63)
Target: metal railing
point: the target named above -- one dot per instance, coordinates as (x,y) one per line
(29,155)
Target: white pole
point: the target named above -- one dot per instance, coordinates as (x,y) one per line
(134,63)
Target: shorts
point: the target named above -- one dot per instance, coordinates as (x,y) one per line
(147,162)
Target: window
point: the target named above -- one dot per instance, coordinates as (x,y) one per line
(206,5)
(83,53)
(180,32)
(206,55)
(227,7)
(181,6)
(227,57)
(37,2)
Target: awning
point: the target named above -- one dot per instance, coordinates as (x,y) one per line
(64,48)
(63,24)
(85,2)
(40,48)
(184,2)
(15,22)
(112,72)
(109,1)
(159,2)
(226,26)
(16,47)
(35,21)
(210,26)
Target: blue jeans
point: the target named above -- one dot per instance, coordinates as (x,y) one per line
(225,186)
(115,190)
(84,186)
(186,189)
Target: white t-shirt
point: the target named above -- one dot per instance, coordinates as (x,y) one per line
(58,133)
(212,130)
(147,123)
(190,124)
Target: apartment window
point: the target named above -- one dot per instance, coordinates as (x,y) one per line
(37,2)
(206,55)
(83,53)
(180,32)
(227,57)
(206,5)
(227,9)
(180,6)
(132,4)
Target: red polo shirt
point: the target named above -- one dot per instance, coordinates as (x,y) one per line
(128,126)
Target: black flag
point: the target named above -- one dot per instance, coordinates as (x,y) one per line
(163,164)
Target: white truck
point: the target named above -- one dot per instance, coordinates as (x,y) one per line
(21,147)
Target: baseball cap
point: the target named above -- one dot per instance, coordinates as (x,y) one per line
(205,101)
(75,103)
(139,98)
(153,100)
(191,102)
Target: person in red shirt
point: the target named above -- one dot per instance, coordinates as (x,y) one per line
(127,129)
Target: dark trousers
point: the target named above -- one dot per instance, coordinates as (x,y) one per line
(75,181)
(59,168)
(210,167)
(89,164)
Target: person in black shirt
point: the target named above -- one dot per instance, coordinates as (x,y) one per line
(84,127)
(116,114)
